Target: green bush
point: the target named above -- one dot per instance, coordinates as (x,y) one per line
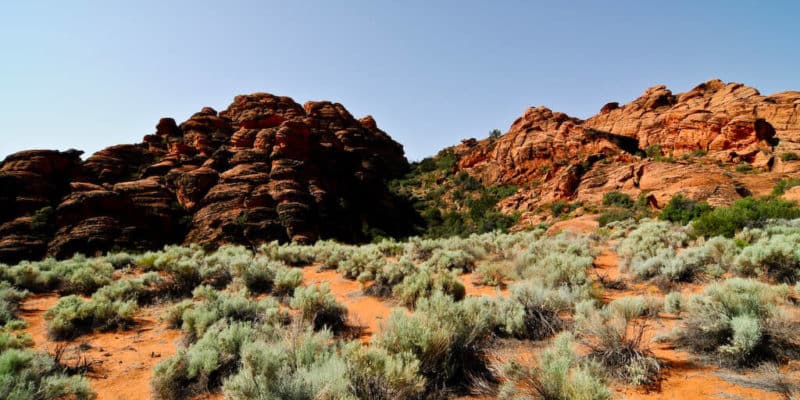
(182,266)
(534,310)
(745,213)
(776,257)
(739,322)
(423,282)
(109,307)
(617,199)
(203,365)
(674,303)
(789,156)
(292,254)
(448,260)
(632,307)
(491,274)
(73,316)
(562,260)
(376,374)
(744,168)
(683,210)
(448,338)
(783,185)
(9,302)
(667,267)
(319,307)
(615,215)
(286,280)
(211,306)
(560,374)
(389,276)
(76,275)
(646,241)
(615,338)
(25,374)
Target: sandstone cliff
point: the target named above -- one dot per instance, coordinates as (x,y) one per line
(266,168)
(716,142)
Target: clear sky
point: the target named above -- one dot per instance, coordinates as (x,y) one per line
(89,74)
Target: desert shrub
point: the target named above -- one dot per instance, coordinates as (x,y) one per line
(744,168)
(739,322)
(140,289)
(615,215)
(73,316)
(211,306)
(615,339)
(329,254)
(667,267)
(9,302)
(319,307)
(534,310)
(286,280)
(309,365)
(203,365)
(76,275)
(647,240)
(617,199)
(783,185)
(299,367)
(683,210)
(632,307)
(119,259)
(448,338)
(374,373)
(363,260)
(776,257)
(110,307)
(789,156)
(292,254)
(26,374)
(559,207)
(747,212)
(673,303)
(562,260)
(182,266)
(173,316)
(390,247)
(491,274)
(257,275)
(445,260)
(218,268)
(423,282)
(560,374)
(389,276)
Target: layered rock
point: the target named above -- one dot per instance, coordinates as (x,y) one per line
(694,141)
(266,168)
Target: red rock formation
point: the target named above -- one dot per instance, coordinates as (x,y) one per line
(554,156)
(264,169)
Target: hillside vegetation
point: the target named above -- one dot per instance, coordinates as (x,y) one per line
(557,326)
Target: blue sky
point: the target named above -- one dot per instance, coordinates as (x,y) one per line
(88,75)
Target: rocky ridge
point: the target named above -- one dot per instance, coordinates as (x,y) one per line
(709,143)
(265,168)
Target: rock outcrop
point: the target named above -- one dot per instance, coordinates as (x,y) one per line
(266,168)
(660,144)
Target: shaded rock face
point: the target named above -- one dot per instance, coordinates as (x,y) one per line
(705,132)
(266,168)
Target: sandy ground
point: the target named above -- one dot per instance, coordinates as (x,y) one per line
(124,359)
(683,377)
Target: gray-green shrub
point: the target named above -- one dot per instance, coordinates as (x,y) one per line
(319,308)
(559,375)
(739,321)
